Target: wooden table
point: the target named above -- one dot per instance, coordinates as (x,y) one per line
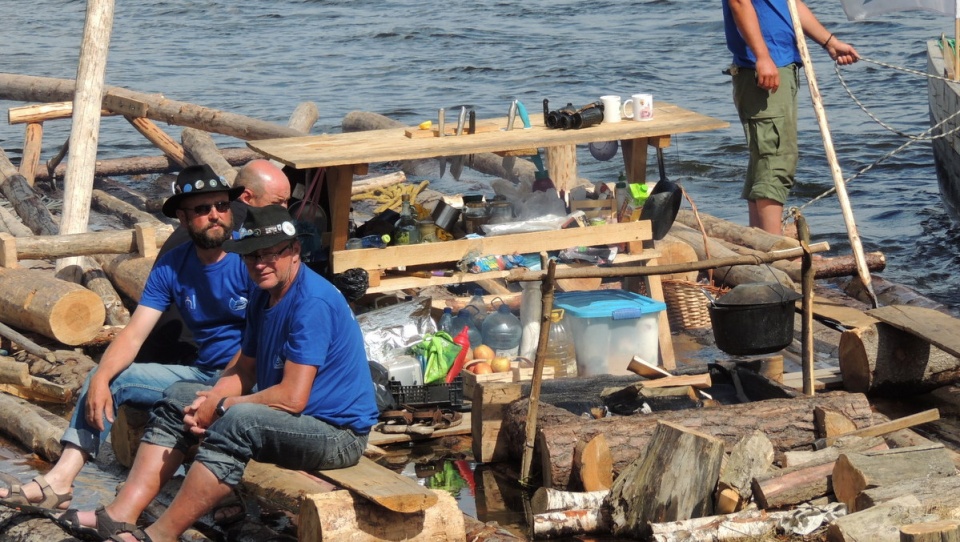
(345,154)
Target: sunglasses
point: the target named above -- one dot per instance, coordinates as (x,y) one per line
(204,209)
(268,258)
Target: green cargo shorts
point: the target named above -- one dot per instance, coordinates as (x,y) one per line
(770,125)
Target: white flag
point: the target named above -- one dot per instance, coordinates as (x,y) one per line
(858,10)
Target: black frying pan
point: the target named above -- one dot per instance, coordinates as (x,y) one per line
(663,203)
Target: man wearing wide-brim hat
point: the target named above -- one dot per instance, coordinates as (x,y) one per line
(209,286)
(314,406)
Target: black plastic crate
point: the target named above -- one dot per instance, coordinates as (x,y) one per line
(441,395)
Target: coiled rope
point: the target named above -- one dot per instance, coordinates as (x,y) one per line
(923,136)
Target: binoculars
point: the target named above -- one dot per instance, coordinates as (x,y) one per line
(569,117)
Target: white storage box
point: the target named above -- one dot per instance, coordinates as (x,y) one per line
(610,327)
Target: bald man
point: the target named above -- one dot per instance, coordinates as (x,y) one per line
(263,184)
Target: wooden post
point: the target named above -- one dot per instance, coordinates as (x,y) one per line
(86,120)
(562,166)
(806,322)
(531,433)
(838,182)
(32,141)
(8,251)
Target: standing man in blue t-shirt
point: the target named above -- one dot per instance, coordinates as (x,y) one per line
(312,409)
(209,286)
(765,81)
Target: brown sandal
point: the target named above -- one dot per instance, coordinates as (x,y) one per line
(50,500)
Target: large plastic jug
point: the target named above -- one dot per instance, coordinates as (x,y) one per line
(465,318)
(561,351)
(501,331)
(479,305)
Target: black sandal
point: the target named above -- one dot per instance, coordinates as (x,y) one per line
(106,527)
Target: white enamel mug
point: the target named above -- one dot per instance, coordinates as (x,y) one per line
(611,108)
(640,107)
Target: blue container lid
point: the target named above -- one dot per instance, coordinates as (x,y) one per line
(615,304)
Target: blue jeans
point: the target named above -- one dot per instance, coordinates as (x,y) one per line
(251,431)
(140,385)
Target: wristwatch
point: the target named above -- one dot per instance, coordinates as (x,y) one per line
(220,410)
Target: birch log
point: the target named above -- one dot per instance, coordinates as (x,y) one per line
(85,129)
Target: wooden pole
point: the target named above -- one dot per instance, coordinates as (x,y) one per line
(85,132)
(629,271)
(838,181)
(531,433)
(806,327)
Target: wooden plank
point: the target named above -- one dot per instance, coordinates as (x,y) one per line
(937,328)
(383,486)
(125,105)
(846,316)
(381,439)
(392,144)
(829,378)
(452,251)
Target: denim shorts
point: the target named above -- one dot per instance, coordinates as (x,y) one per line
(251,431)
(140,385)
(770,125)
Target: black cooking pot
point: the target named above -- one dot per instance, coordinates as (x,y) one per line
(754,319)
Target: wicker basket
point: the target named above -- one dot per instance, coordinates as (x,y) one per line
(687,306)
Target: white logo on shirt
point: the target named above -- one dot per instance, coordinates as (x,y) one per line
(238,304)
(190,302)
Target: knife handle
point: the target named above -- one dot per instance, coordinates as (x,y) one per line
(522,111)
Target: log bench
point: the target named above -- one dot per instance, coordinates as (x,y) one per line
(412,509)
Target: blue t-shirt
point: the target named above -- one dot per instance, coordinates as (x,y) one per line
(776,27)
(313,325)
(212,300)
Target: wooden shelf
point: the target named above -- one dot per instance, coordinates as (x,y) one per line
(392,283)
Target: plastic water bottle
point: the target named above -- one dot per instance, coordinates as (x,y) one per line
(446,321)
(479,304)
(561,351)
(501,331)
(463,319)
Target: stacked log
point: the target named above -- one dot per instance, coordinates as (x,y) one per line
(788,423)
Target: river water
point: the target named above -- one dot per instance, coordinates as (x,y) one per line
(405,59)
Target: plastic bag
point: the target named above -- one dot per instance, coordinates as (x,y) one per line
(439,352)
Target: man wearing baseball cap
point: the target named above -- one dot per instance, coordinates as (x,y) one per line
(209,286)
(312,409)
